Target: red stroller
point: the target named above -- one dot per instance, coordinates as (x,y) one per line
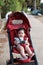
(17,20)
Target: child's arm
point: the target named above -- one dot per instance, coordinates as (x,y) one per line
(26,42)
(16,41)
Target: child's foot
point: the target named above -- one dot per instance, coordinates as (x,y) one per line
(31,56)
(23,60)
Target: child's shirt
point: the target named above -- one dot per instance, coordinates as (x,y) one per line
(19,40)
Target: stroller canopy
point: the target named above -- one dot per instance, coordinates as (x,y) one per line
(16,20)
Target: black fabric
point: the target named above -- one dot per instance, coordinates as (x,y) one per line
(22,42)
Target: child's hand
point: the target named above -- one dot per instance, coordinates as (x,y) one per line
(26,42)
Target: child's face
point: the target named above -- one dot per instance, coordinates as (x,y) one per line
(21,33)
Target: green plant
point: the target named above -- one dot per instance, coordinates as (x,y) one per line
(15,5)
(12,5)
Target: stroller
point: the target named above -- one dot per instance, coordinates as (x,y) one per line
(17,20)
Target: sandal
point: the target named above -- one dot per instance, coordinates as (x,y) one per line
(23,61)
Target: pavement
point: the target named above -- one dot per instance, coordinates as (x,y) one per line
(37,41)
(37,37)
(39,18)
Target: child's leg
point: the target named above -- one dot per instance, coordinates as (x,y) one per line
(29,51)
(22,52)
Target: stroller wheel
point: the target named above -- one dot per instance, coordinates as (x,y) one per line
(7,63)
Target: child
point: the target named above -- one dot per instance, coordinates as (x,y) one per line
(22,44)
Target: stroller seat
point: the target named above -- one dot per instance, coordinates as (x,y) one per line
(13,34)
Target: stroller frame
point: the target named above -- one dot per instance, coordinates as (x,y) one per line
(12,60)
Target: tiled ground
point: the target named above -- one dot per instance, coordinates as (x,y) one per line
(3,48)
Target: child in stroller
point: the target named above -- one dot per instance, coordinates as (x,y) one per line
(21,43)
(18,29)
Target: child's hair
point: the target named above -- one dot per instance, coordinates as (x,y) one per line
(21,29)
